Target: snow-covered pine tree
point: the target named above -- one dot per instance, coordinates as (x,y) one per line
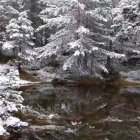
(6,13)
(127,26)
(80,36)
(34,10)
(21,33)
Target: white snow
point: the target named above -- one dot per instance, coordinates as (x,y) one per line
(82,30)
(136,51)
(7,45)
(2,130)
(69,130)
(13,121)
(75,44)
(51,116)
(77,53)
(112,119)
(10,101)
(9,76)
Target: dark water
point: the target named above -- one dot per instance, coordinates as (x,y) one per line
(105,113)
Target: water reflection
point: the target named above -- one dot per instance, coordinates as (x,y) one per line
(95,113)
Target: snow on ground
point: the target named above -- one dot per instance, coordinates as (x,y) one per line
(9,76)
(46,76)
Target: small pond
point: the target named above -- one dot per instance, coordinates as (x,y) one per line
(99,113)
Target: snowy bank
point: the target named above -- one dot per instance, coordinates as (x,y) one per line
(9,76)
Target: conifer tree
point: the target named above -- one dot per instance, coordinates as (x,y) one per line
(126,25)
(21,33)
(6,13)
(80,36)
(76,33)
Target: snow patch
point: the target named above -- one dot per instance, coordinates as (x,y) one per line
(7,45)
(9,76)
(82,30)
